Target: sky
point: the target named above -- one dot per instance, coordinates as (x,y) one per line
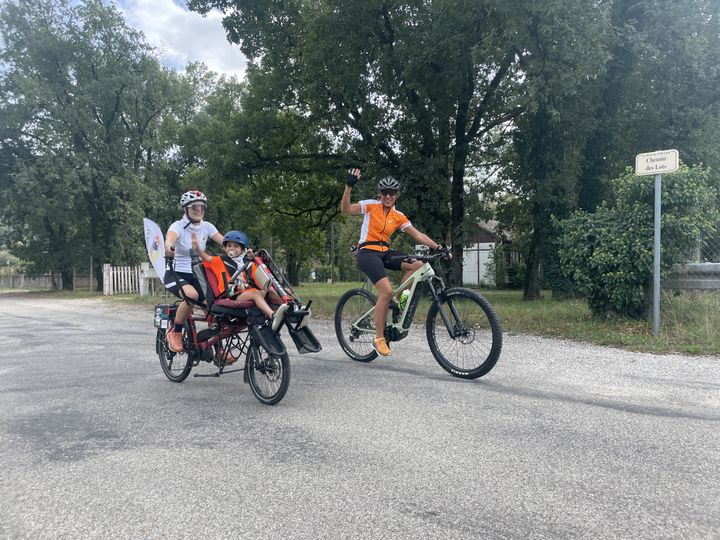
(180,36)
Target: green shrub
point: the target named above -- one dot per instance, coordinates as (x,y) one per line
(516,275)
(609,254)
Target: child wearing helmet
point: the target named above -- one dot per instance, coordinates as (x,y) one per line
(381,219)
(233,258)
(178,242)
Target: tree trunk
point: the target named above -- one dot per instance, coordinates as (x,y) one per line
(535,256)
(99,277)
(67,279)
(293,269)
(457,231)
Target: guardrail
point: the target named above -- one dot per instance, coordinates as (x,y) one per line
(705,276)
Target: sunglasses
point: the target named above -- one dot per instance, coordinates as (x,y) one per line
(197,207)
(388,192)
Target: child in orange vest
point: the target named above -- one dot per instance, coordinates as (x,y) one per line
(234,247)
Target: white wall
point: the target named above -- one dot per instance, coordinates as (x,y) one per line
(475,261)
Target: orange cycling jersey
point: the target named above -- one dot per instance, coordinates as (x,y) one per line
(377,226)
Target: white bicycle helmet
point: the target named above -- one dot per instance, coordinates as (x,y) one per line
(388,183)
(190,197)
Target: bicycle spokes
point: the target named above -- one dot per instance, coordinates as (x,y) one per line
(464,333)
(355,324)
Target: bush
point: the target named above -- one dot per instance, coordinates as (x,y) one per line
(516,275)
(325,272)
(609,254)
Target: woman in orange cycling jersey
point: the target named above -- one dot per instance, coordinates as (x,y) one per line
(374,255)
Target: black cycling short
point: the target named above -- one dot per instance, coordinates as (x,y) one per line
(174,281)
(374,263)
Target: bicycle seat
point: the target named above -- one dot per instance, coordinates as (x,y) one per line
(233,308)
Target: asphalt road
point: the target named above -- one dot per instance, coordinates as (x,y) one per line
(560,440)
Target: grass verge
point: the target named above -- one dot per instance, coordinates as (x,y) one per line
(690,320)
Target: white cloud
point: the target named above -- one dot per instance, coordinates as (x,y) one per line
(181,36)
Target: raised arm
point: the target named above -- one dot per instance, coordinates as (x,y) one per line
(196,246)
(345,205)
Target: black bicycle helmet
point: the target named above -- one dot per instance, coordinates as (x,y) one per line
(388,183)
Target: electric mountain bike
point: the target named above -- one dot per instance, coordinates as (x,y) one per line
(463,331)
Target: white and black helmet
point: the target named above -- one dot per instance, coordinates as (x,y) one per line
(190,197)
(388,183)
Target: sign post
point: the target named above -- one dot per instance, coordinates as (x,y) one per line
(656,163)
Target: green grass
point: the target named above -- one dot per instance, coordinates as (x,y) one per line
(690,321)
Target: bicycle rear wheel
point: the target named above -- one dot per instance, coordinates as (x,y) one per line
(476,347)
(354,335)
(175,366)
(268,376)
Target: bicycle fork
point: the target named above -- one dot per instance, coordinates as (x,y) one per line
(451,328)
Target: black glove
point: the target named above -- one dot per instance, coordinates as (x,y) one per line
(352,179)
(445,251)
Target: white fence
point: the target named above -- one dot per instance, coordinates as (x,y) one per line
(140,279)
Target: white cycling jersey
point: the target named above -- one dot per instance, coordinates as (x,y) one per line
(184,230)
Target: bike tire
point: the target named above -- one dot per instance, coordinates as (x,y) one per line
(268,376)
(477,349)
(352,304)
(175,366)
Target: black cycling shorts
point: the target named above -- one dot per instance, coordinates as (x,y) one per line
(174,281)
(374,263)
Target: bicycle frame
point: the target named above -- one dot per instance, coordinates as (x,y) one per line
(400,325)
(201,347)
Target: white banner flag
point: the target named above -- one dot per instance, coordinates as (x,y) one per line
(155,246)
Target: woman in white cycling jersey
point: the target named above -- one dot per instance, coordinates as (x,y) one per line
(178,242)
(374,255)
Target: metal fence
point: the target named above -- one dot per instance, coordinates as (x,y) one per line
(702,272)
(17,281)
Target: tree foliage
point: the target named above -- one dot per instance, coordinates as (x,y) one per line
(658,89)
(609,253)
(413,88)
(82,99)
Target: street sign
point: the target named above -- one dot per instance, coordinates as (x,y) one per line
(660,162)
(657,163)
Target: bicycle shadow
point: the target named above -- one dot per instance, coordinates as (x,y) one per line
(487,384)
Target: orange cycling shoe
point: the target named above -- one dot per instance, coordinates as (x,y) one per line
(381,346)
(175,343)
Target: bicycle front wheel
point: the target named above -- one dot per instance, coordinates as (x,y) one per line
(475,348)
(268,376)
(355,331)
(175,366)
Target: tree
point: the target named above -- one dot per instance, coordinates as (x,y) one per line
(86,98)
(412,89)
(264,170)
(609,253)
(658,89)
(661,89)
